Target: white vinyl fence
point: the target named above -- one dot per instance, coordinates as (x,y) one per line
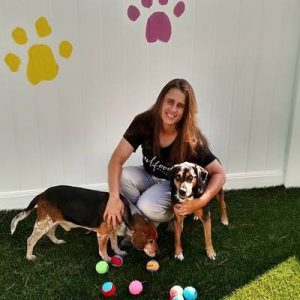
(241,57)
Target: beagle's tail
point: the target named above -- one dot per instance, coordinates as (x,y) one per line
(23,214)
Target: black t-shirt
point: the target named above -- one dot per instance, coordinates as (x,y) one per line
(140,133)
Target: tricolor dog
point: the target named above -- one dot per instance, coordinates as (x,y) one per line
(188,181)
(72,207)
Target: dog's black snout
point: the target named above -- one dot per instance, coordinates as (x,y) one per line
(182,192)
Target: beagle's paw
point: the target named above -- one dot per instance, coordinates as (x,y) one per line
(179,256)
(59,242)
(106,258)
(121,252)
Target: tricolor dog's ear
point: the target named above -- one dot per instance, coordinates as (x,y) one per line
(202,175)
(173,171)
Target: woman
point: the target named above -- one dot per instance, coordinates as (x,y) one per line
(168,134)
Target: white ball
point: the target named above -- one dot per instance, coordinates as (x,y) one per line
(178,297)
(176,290)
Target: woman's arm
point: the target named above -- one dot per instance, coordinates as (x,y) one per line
(216,181)
(114,208)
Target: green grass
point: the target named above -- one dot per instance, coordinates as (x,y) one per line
(281,282)
(257,256)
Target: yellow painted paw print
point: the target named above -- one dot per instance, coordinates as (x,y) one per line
(41,62)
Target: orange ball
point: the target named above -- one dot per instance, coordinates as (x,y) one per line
(152,266)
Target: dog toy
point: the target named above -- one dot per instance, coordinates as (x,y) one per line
(135,287)
(102,267)
(108,289)
(152,265)
(178,297)
(117,261)
(190,293)
(176,290)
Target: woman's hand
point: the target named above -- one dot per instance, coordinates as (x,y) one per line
(115,207)
(113,212)
(188,207)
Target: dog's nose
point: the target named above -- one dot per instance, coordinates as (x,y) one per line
(182,192)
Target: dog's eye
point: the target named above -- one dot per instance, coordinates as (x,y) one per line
(151,242)
(178,177)
(190,178)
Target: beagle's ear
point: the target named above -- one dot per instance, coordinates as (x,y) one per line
(138,239)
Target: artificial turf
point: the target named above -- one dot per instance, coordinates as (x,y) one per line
(257,256)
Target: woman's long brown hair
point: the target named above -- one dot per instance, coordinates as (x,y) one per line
(189,137)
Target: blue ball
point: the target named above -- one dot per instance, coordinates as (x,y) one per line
(108,289)
(190,293)
(107,286)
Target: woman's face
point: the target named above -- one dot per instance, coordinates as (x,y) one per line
(173,107)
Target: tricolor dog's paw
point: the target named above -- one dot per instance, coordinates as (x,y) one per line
(225,222)
(211,254)
(179,256)
(31,257)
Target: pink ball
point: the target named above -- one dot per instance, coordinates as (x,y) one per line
(135,287)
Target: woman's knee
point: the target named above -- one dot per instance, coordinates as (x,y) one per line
(155,212)
(126,177)
(133,182)
(127,188)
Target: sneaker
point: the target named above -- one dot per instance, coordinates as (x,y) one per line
(126,243)
(170,226)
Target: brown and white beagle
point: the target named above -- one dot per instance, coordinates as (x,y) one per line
(188,181)
(72,207)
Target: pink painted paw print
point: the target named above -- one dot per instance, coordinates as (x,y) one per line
(159,27)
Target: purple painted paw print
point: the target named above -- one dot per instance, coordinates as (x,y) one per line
(159,27)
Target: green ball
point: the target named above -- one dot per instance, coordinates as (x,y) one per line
(102,267)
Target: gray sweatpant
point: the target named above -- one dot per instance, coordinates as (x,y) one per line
(146,193)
